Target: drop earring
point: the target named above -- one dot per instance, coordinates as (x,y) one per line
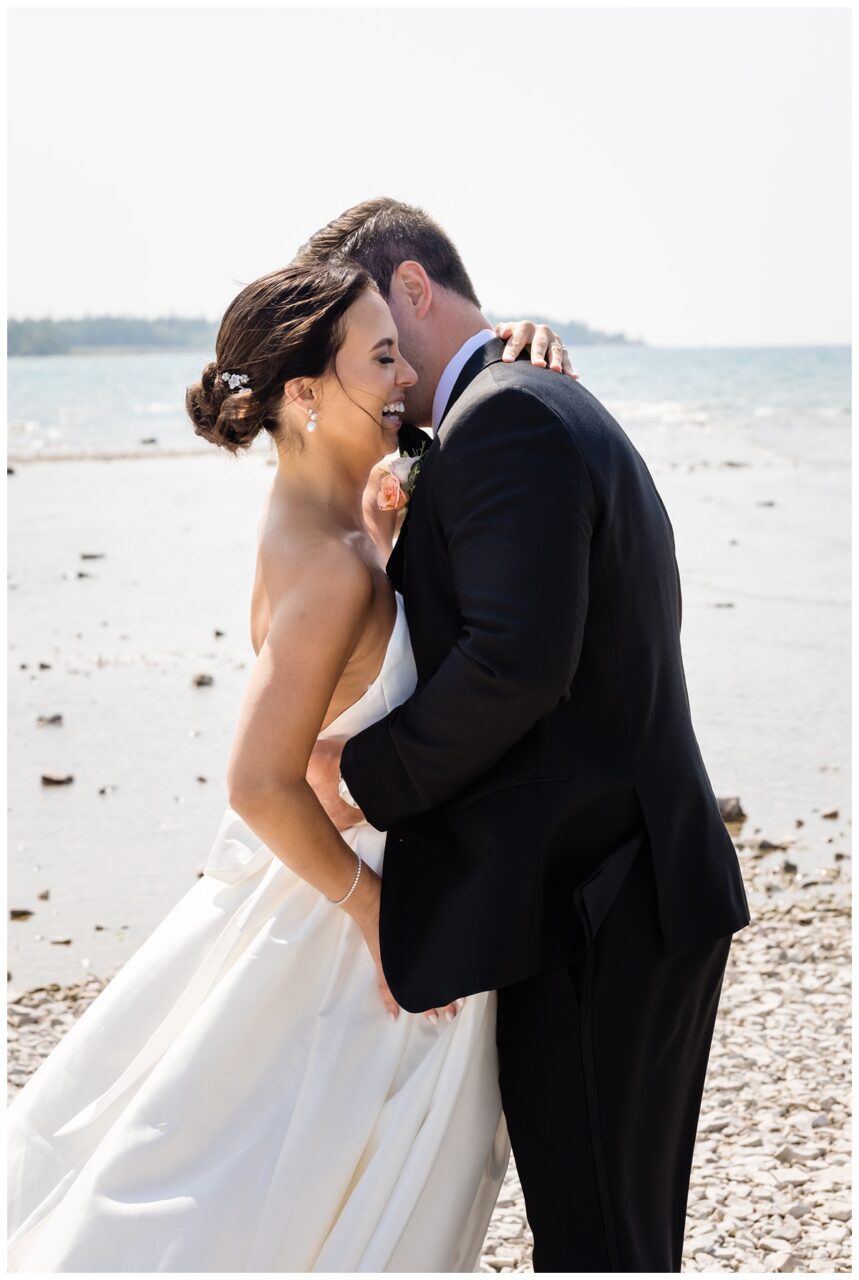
(312,416)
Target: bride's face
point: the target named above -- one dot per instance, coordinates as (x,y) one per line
(360,399)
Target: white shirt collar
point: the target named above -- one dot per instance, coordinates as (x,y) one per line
(452,371)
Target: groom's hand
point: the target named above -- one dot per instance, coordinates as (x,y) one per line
(323,775)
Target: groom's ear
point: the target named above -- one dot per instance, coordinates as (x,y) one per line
(412,288)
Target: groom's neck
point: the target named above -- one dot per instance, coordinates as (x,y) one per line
(455,320)
(452,321)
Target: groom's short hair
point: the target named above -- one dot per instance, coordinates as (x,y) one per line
(381,233)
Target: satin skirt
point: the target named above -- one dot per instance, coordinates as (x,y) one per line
(236,1099)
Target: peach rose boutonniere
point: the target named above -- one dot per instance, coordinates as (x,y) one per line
(398,483)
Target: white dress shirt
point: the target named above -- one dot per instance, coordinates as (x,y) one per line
(452,371)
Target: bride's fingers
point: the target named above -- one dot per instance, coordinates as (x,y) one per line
(543,336)
(518,335)
(566,367)
(546,346)
(391,1007)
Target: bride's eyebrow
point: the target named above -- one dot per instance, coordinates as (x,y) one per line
(383,342)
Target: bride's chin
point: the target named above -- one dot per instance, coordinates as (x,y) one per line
(390,439)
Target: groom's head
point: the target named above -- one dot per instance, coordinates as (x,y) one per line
(422,278)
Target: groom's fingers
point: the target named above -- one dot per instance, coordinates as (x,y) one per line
(445,1012)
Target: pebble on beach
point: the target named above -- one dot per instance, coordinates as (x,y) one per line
(203,679)
(42,721)
(731,809)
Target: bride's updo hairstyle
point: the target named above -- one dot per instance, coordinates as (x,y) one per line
(288,324)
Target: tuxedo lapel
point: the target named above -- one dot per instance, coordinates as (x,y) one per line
(489,353)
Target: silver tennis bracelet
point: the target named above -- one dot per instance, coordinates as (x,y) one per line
(337,901)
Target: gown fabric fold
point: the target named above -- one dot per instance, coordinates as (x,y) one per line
(236,1098)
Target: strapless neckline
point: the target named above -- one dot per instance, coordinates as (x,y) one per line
(391,650)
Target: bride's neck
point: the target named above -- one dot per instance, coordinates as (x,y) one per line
(312,479)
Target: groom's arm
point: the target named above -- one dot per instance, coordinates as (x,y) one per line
(517,507)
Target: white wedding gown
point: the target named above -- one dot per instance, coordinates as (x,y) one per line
(236,1099)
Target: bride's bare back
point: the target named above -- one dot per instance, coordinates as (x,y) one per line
(292,543)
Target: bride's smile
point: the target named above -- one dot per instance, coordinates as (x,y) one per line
(360,401)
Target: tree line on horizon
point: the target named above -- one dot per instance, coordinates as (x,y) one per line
(177,333)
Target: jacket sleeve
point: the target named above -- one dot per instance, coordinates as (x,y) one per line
(516,507)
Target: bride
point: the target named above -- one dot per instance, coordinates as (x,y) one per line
(245,1094)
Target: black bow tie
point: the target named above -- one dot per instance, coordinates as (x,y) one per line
(411,441)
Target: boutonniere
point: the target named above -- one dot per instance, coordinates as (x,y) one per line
(398,481)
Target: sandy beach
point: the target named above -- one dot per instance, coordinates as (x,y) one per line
(131,577)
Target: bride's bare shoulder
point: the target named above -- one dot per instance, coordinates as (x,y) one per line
(315,569)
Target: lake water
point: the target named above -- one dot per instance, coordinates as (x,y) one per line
(794,400)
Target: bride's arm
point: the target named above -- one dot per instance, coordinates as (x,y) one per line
(317,620)
(284,705)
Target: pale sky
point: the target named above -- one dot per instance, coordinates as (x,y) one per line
(678,174)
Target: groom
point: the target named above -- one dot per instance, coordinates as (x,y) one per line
(552,832)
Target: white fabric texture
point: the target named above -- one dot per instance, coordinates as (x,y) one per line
(236,1098)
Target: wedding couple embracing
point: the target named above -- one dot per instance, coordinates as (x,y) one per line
(472,888)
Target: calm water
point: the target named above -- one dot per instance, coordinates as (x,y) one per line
(796,400)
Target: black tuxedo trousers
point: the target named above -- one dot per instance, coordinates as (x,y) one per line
(602,1068)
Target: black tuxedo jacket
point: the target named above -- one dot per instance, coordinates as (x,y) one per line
(550,728)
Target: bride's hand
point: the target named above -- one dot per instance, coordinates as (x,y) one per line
(541,339)
(364,910)
(381,525)
(363,907)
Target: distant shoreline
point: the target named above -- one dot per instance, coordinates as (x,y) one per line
(127,335)
(207,354)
